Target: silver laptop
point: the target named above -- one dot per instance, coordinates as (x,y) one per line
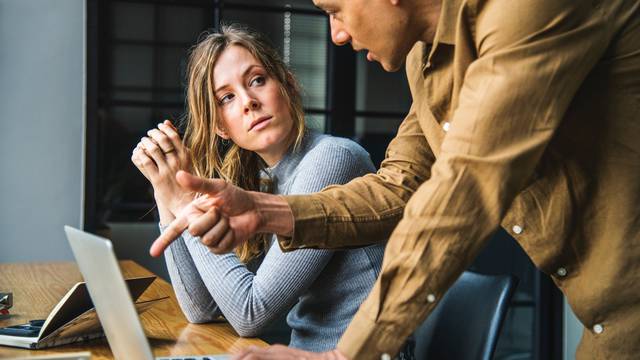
(110,296)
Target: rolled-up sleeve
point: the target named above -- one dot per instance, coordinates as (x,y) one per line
(532,58)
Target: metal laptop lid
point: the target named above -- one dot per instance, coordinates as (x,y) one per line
(110,296)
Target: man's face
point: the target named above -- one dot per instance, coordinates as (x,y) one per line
(377,26)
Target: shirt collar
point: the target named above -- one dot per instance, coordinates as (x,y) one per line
(445,31)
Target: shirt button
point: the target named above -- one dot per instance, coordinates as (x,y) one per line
(446,126)
(561,272)
(517,229)
(385,356)
(431,298)
(598,328)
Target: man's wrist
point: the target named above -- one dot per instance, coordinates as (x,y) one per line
(274,214)
(180,203)
(368,339)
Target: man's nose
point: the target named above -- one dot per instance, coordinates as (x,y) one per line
(339,35)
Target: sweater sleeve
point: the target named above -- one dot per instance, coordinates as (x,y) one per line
(195,301)
(251,301)
(334,161)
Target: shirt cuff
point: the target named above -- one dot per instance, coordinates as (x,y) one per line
(366,339)
(310,226)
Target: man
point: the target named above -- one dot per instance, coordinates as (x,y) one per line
(525,115)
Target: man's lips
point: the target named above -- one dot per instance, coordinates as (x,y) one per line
(259,123)
(370,55)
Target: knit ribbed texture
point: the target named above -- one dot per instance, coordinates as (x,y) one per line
(321,289)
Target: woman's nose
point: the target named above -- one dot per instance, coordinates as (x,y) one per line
(251,104)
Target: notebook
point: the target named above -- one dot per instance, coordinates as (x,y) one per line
(73,319)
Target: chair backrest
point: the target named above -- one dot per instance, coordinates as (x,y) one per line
(466,323)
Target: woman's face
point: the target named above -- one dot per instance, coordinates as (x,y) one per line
(253,112)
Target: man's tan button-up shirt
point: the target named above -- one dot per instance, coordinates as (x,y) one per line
(525,114)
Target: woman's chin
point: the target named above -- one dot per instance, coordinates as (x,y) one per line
(273,147)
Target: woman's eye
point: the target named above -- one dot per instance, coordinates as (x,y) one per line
(225,99)
(258,80)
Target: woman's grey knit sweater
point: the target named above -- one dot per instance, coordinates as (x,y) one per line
(321,289)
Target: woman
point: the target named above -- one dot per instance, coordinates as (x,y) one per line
(245,124)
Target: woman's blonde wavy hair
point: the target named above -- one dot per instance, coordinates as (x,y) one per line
(211,155)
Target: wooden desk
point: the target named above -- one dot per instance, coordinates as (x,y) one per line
(37,287)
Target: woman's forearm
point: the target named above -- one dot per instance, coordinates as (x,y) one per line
(166,217)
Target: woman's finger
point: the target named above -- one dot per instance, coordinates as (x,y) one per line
(138,147)
(162,140)
(154,151)
(172,134)
(169,123)
(135,158)
(145,163)
(144,160)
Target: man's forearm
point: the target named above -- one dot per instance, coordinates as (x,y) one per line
(365,210)
(275,214)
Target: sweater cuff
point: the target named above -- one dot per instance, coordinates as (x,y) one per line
(310,226)
(366,339)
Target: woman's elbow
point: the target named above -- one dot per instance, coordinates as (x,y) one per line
(198,318)
(248,328)
(247,332)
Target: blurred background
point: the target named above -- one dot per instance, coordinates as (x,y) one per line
(81,81)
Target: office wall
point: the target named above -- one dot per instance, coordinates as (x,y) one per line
(41,126)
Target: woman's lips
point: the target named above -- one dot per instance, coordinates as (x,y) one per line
(260,123)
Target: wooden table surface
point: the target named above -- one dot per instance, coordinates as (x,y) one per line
(37,288)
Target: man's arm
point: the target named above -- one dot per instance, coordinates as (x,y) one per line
(225,215)
(365,210)
(249,301)
(533,56)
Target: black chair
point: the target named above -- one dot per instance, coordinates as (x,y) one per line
(466,324)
